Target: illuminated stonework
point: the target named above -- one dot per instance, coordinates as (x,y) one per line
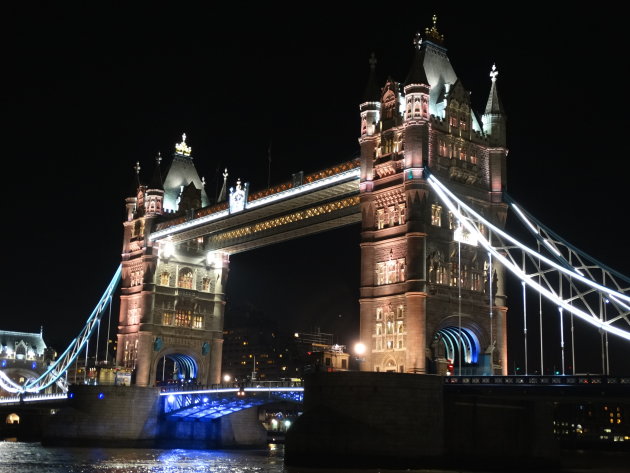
(285,220)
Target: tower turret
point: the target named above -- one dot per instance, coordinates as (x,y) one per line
(370,111)
(132,200)
(154,195)
(494,117)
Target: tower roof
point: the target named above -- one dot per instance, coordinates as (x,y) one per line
(494,104)
(372,92)
(181,173)
(416,74)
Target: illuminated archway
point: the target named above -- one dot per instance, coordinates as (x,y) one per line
(176,367)
(456,340)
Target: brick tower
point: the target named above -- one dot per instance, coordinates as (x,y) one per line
(431,301)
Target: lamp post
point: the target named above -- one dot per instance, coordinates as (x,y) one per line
(359,351)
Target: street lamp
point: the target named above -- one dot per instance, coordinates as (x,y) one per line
(226,378)
(359,351)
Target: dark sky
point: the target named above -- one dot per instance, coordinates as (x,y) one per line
(88,91)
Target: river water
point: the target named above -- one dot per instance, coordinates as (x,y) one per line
(25,457)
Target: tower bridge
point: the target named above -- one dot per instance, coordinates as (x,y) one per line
(429,195)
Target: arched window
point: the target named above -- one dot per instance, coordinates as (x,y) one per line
(165,278)
(185,278)
(205,284)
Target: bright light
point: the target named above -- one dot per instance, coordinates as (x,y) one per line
(274,423)
(287,423)
(296,335)
(227,378)
(360,348)
(205,399)
(171,399)
(167,249)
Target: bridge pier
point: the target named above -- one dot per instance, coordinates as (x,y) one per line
(395,420)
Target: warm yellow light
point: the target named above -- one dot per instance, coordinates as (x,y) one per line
(227,378)
(167,249)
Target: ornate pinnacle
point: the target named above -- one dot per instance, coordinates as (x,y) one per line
(225,175)
(372,61)
(203,181)
(417,41)
(494,73)
(137,167)
(183,148)
(433,32)
(158,158)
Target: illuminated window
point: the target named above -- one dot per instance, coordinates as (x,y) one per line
(183,318)
(400,327)
(198,321)
(380,219)
(390,344)
(390,327)
(391,217)
(454,122)
(436,215)
(185,278)
(476,282)
(452,224)
(165,279)
(167,318)
(400,344)
(379,329)
(400,311)
(442,150)
(137,277)
(205,284)
(473,156)
(462,154)
(379,313)
(380,274)
(402,210)
(463,123)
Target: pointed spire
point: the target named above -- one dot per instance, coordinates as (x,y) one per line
(433,34)
(372,92)
(494,104)
(417,75)
(156,180)
(223,193)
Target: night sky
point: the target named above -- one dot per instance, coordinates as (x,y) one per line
(91,90)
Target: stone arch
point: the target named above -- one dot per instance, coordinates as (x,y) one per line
(179,362)
(448,340)
(390,365)
(185,278)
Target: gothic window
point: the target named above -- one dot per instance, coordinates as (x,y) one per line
(409,109)
(133,316)
(390,344)
(425,106)
(363,126)
(436,215)
(380,219)
(185,278)
(380,273)
(390,327)
(391,272)
(389,104)
(463,123)
(400,328)
(400,344)
(183,318)
(476,281)
(473,156)
(416,110)
(462,154)
(205,284)
(198,321)
(401,269)
(400,311)
(451,221)
(379,344)
(167,318)
(379,313)
(453,122)
(442,150)
(379,329)
(165,278)
(391,218)
(136,277)
(402,209)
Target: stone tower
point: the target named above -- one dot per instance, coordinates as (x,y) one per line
(172,299)
(430,299)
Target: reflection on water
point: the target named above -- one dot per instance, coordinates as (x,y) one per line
(23,457)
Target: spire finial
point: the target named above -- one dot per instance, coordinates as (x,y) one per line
(137,167)
(183,148)
(372,61)
(158,158)
(225,175)
(494,73)
(433,32)
(417,40)
(203,181)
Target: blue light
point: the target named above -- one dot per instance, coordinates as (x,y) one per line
(101,396)
(171,399)
(33,365)
(205,399)
(70,395)
(4,363)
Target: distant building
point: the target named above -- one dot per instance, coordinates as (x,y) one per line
(23,355)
